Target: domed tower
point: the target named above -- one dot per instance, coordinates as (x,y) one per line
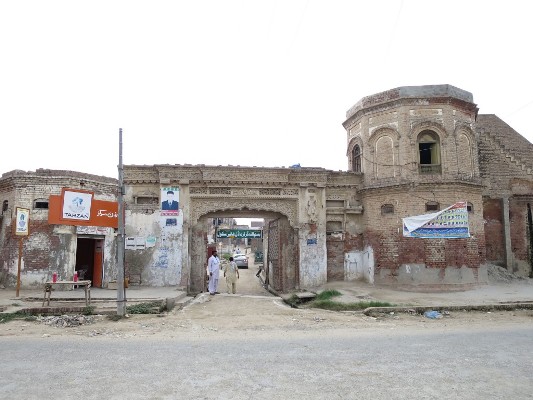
(416,149)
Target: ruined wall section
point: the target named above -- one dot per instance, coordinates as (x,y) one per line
(506,167)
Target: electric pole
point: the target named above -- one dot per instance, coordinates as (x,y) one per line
(121,294)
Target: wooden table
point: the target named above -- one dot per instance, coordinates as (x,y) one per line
(48,287)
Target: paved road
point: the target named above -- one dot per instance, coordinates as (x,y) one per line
(493,363)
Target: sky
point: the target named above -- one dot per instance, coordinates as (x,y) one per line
(250,83)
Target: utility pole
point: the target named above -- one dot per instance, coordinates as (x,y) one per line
(121,293)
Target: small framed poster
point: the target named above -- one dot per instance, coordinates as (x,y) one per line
(22,227)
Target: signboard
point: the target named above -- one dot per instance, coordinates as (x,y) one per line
(239,233)
(170,201)
(76,205)
(450,223)
(102,213)
(22,227)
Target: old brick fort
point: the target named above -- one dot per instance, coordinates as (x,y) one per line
(410,151)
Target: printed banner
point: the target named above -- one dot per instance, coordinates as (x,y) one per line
(170,197)
(23,222)
(76,205)
(450,223)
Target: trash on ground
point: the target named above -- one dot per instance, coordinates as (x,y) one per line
(432,314)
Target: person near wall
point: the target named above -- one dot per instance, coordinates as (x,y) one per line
(213,269)
(231,272)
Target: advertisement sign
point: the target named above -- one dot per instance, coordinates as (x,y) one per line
(450,223)
(76,205)
(102,213)
(239,233)
(170,197)
(22,227)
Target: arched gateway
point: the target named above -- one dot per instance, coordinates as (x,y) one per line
(299,203)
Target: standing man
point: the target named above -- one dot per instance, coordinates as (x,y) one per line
(231,272)
(213,268)
(170,203)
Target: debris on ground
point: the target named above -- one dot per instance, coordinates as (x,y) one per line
(499,274)
(66,321)
(432,314)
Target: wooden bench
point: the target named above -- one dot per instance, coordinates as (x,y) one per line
(49,286)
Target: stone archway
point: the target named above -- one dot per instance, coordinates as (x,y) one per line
(285,270)
(300,198)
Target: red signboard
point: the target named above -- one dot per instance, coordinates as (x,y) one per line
(102,213)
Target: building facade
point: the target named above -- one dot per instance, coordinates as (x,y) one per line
(410,151)
(50,246)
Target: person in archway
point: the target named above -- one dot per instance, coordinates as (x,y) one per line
(231,273)
(213,268)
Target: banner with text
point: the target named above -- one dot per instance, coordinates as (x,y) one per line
(450,223)
(240,233)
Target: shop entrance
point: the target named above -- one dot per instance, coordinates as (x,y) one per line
(89,259)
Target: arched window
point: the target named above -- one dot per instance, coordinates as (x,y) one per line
(429,153)
(356,158)
(469,207)
(4,206)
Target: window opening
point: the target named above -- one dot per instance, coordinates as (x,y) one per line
(432,206)
(387,209)
(41,204)
(429,153)
(4,206)
(356,158)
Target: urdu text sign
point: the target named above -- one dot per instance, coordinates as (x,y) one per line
(239,233)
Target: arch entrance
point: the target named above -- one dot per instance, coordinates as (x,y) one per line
(168,246)
(280,242)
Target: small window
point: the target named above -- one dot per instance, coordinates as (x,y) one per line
(432,206)
(429,153)
(469,207)
(4,206)
(356,158)
(147,200)
(40,204)
(387,209)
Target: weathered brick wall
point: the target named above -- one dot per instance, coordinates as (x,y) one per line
(42,249)
(392,250)
(335,249)
(494,231)
(519,236)
(506,167)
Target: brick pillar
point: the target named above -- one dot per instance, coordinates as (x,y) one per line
(507,234)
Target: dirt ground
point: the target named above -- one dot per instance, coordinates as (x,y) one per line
(254,312)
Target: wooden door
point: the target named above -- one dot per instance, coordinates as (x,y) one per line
(98,263)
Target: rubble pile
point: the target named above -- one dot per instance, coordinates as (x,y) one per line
(499,274)
(66,321)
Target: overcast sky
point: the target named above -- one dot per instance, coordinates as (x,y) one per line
(251,83)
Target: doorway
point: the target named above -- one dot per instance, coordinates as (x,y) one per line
(89,260)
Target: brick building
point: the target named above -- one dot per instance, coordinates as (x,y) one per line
(420,149)
(53,247)
(410,151)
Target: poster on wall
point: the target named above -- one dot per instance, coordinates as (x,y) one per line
(450,223)
(22,227)
(170,197)
(76,205)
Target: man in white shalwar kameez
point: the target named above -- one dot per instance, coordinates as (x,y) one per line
(231,272)
(213,268)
